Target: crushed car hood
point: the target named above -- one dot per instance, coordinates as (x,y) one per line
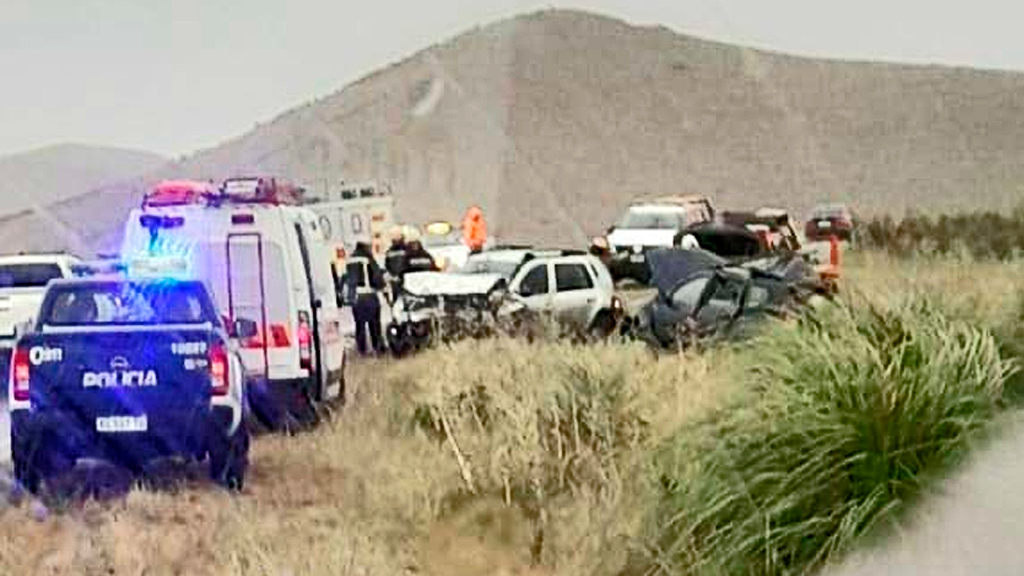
(669,267)
(442,283)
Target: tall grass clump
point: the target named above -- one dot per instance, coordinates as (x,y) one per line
(846,418)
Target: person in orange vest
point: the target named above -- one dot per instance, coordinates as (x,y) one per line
(474,229)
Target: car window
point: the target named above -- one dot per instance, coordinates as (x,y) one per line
(686,297)
(28,275)
(642,218)
(535,282)
(569,277)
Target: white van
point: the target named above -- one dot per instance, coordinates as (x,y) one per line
(263,260)
(355,212)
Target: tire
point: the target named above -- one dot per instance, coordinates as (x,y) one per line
(35,460)
(602,326)
(229,458)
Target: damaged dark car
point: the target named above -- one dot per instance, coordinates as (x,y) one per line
(702,296)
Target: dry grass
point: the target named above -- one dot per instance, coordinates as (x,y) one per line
(374,492)
(555,441)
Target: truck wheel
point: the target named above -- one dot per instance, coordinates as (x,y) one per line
(229,458)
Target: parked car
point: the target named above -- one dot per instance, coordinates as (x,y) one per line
(773,225)
(648,225)
(23,281)
(828,220)
(128,371)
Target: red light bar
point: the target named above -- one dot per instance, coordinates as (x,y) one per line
(262,191)
(176,192)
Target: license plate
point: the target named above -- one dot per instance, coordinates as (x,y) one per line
(122,423)
(636,257)
(824,224)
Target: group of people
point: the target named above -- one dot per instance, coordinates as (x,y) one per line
(364,282)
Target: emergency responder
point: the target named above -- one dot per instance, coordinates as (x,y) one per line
(474,229)
(394,260)
(417,259)
(364,281)
(599,247)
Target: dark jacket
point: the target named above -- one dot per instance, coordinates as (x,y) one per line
(362,274)
(394,260)
(417,259)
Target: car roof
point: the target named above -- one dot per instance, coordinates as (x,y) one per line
(109,279)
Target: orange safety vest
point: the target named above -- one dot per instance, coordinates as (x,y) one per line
(474,229)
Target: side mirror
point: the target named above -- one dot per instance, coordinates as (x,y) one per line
(244,328)
(610,230)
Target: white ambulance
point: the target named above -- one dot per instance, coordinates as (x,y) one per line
(264,258)
(355,212)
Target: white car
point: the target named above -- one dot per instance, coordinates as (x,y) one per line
(574,288)
(648,224)
(23,281)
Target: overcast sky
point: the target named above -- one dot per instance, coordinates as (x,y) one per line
(172,76)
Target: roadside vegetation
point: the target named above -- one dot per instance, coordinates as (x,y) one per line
(979,235)
(768,457)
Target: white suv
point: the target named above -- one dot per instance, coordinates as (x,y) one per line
(647,224)
(575,289)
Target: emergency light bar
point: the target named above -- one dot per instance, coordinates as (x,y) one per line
(176,192)
(261,191)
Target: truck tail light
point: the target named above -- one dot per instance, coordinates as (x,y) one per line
(305,337)
(21,372)
(219,376)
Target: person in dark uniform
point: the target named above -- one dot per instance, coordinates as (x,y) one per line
(364,281)
(394,260)
(417,259)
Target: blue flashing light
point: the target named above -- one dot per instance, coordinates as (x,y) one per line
(165,258)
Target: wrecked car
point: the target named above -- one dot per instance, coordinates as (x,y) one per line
(701,295)
(446,307)
(742,246)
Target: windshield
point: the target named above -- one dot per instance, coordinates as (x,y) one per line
(505,268)
(119,303)
(28,275)
(650,219)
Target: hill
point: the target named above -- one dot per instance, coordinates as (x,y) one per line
(38,178)
(552,121)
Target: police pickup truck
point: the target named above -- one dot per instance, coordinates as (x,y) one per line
(127,371)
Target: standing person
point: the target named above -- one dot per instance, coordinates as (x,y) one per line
(417,259)
(364,281)
(474,229)
(394,261)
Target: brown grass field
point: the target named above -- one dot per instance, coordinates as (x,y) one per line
(441,465)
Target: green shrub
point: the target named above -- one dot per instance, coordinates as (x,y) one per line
(844,421)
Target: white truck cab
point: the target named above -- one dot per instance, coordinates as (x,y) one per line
(23,280)
(264,258)
(654,223)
